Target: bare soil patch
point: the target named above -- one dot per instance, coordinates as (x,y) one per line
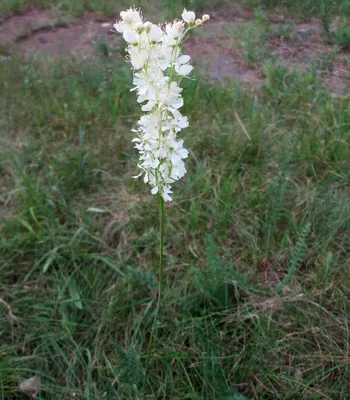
(16,26)
(44,32)
(212,51)
(222,59)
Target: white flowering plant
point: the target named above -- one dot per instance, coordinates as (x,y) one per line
(154,52)
(155,55)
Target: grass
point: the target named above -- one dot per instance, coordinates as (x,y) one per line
(73,7)
(324,9)
(251,37)
(256,298)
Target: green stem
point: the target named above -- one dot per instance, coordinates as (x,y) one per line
(160,285)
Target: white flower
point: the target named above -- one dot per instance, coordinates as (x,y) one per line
(175,123)
(172,35)
(155,56)
(155,34)
(130,16)
(181,66)
(188,16)
(138,58)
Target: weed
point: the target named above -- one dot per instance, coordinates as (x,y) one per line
(342,36)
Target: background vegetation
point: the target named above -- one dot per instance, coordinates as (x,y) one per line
(256,300)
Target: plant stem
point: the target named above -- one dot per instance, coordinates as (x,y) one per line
(160,285)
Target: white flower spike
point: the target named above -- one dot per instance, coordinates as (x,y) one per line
(155,55)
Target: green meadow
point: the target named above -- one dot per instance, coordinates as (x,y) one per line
(256,298)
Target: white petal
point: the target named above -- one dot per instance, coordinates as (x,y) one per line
(179,103)
(166,197)
(148,106)
(183,59)
(155,33)
(183,153)
(185,70)
(165,193)
(130,36)
(120,26)
(175,158)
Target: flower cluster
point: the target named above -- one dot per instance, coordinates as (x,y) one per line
(155,55)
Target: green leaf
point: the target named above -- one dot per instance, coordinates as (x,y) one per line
(49,260)
(27,226)
(74,294)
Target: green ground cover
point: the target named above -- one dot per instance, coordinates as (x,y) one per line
(256,299)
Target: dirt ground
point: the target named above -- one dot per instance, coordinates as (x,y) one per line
(212,49)
(54,34)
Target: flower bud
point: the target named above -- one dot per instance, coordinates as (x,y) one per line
(205,18)
(179,26)
(139,27)
(147,26)
(198,22)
